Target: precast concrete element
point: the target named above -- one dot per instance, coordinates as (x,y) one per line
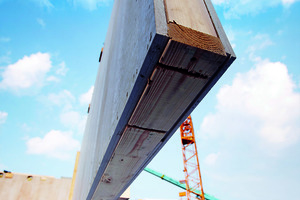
(160,59)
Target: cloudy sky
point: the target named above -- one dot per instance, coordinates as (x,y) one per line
(248,126)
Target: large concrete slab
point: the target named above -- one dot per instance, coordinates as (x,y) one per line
(34,187)
(155,68)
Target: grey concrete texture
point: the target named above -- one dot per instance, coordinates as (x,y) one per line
(153,73)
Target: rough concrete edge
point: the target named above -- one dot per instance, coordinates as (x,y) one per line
(160,40)
(219,28)
(160,17)
(158,44)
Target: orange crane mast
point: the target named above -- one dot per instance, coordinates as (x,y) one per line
(190,160)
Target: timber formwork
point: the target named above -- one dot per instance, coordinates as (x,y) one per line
(161,57)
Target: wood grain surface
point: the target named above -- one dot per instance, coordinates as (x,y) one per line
(190,13)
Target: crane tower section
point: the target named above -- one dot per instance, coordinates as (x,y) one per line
(190,160)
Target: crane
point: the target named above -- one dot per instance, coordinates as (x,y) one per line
(190,160)
(177,183)
(193,181)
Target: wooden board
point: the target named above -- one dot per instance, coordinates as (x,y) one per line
(191,13)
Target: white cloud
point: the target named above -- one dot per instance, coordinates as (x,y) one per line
(260,103)
(43,3)
(62,70)
(68,117)
(86,98)
(26,128)
(64,98)
(27,72)
(52,79)
(73,120)
(57,144)
(236,8)
(218,2)
(90,4)
(259,42)
(211,159)
(5,58)
(4,39)
(288,2)
(41,22)
(231,36)
(3,117)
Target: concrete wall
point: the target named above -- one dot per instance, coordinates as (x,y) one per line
(19,187)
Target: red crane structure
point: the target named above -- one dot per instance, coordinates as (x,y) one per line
(190,160)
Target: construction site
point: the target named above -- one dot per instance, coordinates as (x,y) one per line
(159,61)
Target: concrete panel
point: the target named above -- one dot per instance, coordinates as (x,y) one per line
(132,151)
(153,73)
(19,187)
(132,48)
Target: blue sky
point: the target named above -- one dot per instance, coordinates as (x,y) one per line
(248,126)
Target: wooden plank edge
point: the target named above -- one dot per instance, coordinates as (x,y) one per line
(195,38)
(158,44)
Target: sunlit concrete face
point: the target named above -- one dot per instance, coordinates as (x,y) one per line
(157,65)
(28,186)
